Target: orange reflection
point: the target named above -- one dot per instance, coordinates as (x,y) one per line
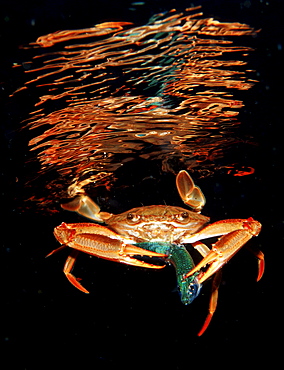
(168,85)
(98,30)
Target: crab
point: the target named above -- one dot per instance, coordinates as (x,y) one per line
(124,236)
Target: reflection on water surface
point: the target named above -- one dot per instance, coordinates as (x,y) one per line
(116,92)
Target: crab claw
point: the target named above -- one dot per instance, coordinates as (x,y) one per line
(129,250)
(226,247)
(101,242)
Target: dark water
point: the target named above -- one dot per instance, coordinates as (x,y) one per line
(116,110)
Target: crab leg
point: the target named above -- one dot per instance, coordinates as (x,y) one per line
(235,234)
(260,257)
(204,251)
(216,283)
(86,207)
(69,264)
(213,301)
(189,192)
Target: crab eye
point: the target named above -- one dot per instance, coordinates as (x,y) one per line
(183,216)
(132,217)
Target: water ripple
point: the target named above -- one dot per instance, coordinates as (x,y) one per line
(114,92)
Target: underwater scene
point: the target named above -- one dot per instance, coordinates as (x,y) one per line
(155,123)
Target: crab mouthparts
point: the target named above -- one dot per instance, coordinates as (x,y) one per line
(158,232)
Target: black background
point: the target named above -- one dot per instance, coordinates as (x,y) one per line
(134,317)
